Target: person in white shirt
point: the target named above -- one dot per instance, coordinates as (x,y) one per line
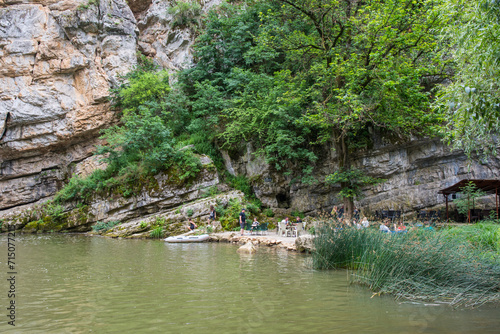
(384,228)
(365,222)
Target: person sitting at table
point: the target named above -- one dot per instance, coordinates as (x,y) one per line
(298,221)
(365,222)
(427,226)
(384,228)
(286,222)
(357,225)
(356,213)
(255,224)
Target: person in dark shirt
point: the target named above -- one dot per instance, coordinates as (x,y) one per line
(213,214)
(243,219)
(298,221)
(192,225)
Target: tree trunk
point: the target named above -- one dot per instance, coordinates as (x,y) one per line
(344,164)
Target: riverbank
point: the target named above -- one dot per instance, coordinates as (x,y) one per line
(423,265)
(302,243)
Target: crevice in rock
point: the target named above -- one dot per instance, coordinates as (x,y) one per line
(283,200)
(139,6)
(4,121)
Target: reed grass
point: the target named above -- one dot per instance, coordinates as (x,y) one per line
(418,265)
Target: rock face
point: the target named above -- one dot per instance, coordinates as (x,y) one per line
(163,200)
(58,61)
(414,174)
(162,39)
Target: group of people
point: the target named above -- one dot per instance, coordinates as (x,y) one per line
(364,223)
(243,220)
(400,227)
(213,215)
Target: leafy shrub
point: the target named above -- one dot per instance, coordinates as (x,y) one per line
(241,183)
(185,13)
(143,225)
(143,143)
(189,212)
(297,213)
(157,232)
(102,227)
(482,236)
(159,220)
(229,217)
(254,207)
(212,191)
(269,212)
(467,195)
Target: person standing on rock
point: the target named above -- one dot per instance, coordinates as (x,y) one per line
(243,219)
(213,215)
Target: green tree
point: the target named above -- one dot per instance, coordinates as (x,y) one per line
(472,100)
(467,196)
(354,180)
(361,64)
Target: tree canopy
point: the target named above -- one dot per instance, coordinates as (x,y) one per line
(472,98)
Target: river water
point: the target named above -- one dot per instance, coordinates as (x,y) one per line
(81,284)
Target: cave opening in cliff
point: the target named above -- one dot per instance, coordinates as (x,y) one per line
(283,200)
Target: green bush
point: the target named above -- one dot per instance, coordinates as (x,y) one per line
(143,143)
(241,183)
(269,212)
(185,13)
(297,213)
(103,227)
(229,216)
(189,212)
(212,191)
(253,207)
(157,232)
(483,236)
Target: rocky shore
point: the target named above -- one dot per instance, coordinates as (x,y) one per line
(302,243)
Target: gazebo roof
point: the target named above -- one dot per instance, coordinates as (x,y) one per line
(488,186)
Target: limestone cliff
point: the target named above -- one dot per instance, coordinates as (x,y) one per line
(414,173)
(58,61)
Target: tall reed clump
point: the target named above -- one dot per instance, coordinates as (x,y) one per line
(418,265)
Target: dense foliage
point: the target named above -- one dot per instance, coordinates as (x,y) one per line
(143,144)
(472,100)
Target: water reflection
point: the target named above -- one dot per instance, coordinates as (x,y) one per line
(77,284)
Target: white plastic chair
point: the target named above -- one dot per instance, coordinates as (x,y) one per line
(298,229)
(281,229)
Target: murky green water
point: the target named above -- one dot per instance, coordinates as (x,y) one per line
(79,284)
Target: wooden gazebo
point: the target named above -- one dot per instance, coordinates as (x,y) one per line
(488,186)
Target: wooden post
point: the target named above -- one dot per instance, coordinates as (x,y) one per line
(446,198)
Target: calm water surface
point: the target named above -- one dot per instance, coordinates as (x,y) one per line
(80,284)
